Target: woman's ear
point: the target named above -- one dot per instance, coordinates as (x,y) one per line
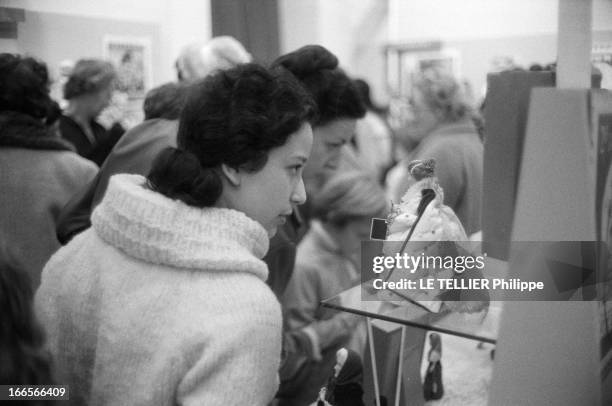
(231,174)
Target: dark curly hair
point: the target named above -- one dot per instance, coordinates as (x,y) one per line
(165,101)
(335,94)
(23,359)
(24,86)
(233,117)
(89,76)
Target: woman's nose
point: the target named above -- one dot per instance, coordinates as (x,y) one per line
(299,194)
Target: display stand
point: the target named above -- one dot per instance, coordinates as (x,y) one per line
(400,380)
(505,122)
(548,353)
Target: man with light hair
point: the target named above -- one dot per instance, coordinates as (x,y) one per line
(200,59)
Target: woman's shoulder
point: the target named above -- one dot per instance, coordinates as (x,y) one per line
(70,264)
(239,300)
(74,160)
(247,290)
(52,166)
(73,168)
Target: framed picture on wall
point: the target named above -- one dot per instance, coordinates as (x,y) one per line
(132,59)
(447,60)
(403,63)
(399,58)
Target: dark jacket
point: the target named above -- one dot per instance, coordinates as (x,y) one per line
(134,153)
(39,173)
(95,150)
(350,394)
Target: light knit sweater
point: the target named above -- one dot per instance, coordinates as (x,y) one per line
(160,303)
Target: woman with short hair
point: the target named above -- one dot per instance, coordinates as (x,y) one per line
(89,90)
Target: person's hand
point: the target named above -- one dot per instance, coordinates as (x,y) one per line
(351,320)
(321,399)
(303,346)
(322,393)
(434,356)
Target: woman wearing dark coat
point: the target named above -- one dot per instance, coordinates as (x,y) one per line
(88,90)
(39,171)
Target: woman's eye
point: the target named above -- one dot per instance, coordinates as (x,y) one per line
(296,168)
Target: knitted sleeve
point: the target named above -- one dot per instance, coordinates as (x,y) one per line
(239,366)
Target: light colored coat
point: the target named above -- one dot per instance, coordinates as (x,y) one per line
(160,303)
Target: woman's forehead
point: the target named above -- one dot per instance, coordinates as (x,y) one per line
(298,144)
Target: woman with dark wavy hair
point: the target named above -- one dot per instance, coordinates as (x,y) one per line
(339,105)
(163,301)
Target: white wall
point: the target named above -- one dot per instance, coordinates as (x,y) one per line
(484,29)
(179,21)
(474,19)
(354,30)
(479,29)
(470,19)
(602,15)
(298,24)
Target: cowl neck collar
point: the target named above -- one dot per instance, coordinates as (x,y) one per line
(149,226)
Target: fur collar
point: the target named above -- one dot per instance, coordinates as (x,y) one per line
(18,130)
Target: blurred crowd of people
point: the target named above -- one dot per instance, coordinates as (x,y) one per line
(183,260)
